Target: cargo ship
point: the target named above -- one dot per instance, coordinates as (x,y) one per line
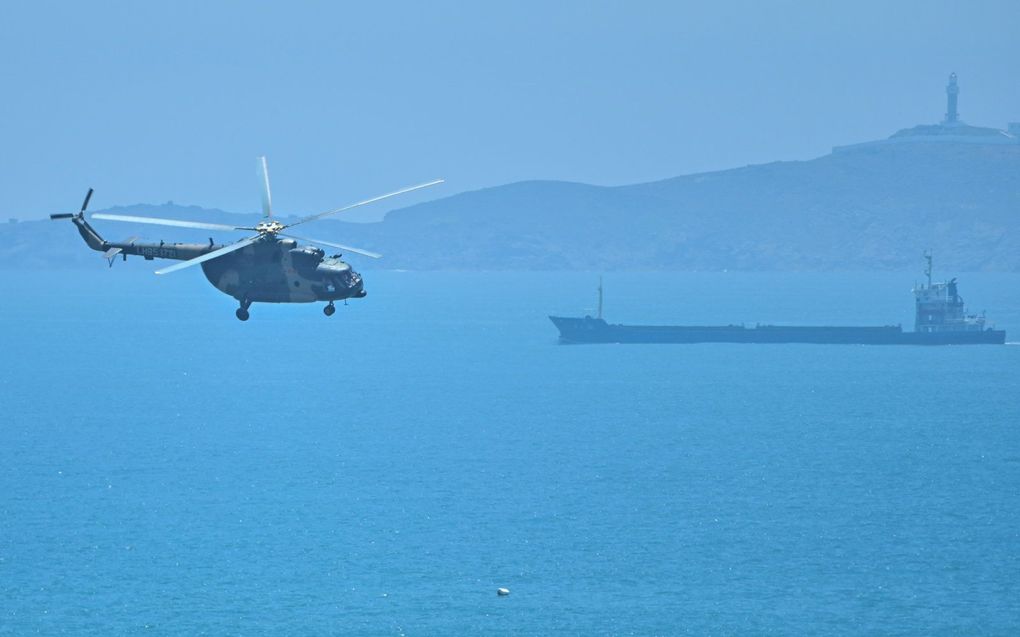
(940,319)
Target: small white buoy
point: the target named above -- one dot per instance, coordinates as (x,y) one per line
(502,592)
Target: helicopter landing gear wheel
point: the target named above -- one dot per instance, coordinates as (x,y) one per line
(242,312)
(329,309)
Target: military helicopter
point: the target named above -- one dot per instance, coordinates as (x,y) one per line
(268,267)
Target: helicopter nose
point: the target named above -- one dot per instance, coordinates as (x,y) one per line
(358,289)
(357,286)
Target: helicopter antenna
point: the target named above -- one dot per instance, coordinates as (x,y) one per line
(267,198)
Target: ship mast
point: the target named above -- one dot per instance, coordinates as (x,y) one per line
(600,298)
(927,269)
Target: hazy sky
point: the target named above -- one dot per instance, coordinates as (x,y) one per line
(150,102)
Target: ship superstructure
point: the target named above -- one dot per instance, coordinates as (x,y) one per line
(940,307)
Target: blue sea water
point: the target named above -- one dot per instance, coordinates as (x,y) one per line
(168,470)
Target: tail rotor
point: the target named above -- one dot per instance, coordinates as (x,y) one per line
(81,213)
(85,204)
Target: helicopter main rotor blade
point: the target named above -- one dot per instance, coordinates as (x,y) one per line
(267,198)
(209,256)
(201,225)
(366,201)
(374,255)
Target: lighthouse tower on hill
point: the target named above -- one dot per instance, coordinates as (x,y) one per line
(952,90)
(951,130)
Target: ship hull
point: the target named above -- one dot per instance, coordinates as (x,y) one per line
(594,330)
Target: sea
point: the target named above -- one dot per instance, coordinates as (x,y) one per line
(166,469)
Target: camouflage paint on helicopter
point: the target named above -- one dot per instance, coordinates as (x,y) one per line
(269,267)
(282,272)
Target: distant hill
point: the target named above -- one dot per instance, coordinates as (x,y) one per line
(865,209)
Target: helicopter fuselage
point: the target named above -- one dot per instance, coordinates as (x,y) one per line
(279,271)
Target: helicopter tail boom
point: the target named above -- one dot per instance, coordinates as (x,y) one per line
(92,238)
(111,249)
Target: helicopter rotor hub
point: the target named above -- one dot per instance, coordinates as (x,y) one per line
(269,227)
